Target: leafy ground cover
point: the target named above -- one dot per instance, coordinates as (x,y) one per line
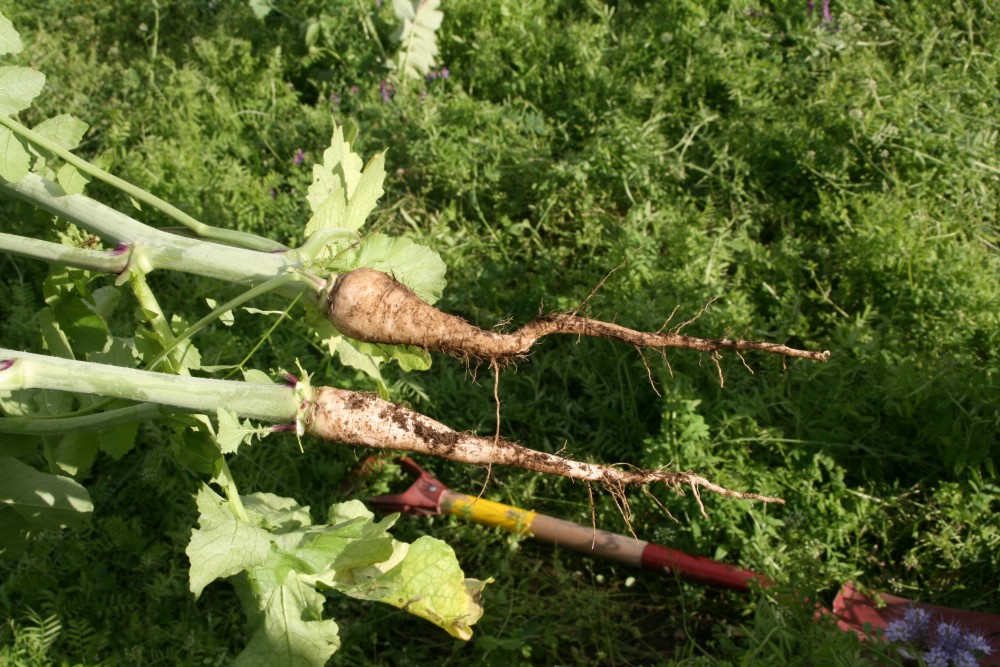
(834,183)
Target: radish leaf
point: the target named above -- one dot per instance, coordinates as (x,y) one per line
(18,87)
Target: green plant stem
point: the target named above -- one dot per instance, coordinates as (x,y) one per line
(63,425)
(226,481)
(266,402)
(316,242)
(273,284)
(153,248)
(158,321)
(100,261)
(241,239)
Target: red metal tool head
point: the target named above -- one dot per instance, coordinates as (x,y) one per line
(422,498)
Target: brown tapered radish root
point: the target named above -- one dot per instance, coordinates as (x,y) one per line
(355,418)
(370,306)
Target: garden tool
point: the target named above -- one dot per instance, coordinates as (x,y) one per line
(854,610)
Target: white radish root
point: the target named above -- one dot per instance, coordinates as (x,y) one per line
(373,307)
(355,418)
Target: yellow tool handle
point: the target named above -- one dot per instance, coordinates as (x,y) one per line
(585,539)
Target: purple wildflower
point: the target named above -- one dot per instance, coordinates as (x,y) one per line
(955,647)
(952,646)
(977,643)
(300,155)
(437,74)
(827,16)
(273,193)
(335,99)
(355,90)
(388,90)
(911,628)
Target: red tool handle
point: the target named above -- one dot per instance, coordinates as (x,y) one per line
(699,568)
(601,543)
(429,496)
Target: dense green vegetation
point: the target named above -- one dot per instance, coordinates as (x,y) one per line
(835,185)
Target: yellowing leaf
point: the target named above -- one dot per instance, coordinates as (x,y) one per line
(323,185)
(222,546)
(428,582)
(289,628)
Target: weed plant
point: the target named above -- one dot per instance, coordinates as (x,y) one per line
(835,184)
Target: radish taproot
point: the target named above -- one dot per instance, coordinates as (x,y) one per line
(373,307)
(360,419)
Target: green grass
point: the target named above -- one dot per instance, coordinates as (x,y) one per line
(836,187)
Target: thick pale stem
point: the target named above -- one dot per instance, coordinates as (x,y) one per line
(199,228)
(155,249)
(100,261)
(87,423)
(266,402)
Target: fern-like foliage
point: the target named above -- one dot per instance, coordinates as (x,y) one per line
(33,639)
(83,641)
(419,21)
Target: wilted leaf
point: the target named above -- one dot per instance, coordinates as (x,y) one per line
(428,582)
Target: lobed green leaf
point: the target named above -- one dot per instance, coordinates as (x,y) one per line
(42,500)
(18,87)
(222,546)
(63,130)
(15,161)
(10,41)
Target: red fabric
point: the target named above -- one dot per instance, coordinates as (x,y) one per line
(854,610)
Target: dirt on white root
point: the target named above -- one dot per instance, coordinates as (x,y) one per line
(355,418)
(371,306)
